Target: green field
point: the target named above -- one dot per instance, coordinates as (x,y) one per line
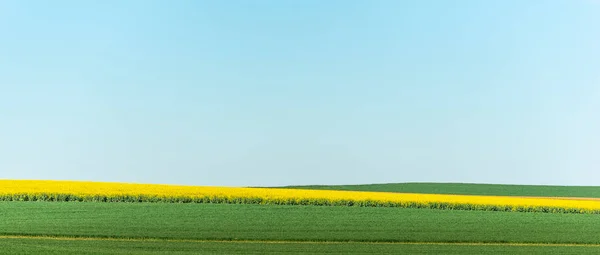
(76,247)
(469,189)
(152,228)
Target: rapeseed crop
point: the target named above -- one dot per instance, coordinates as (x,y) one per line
(17,190)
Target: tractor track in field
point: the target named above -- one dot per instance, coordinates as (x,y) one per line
(138,239)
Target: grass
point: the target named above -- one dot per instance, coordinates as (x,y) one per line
(469,189)
(295,223)
(76,247)
(188,228)
(73,191)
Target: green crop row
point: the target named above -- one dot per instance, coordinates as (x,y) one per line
(297,201)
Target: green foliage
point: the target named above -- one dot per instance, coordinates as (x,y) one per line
(77,247)
(469,189)
(297,201)
(173,227)
(255,222)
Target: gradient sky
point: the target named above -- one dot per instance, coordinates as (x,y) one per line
(301,92)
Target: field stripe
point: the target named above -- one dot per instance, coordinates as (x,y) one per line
(129,239)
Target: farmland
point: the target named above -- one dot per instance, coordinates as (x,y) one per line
(468,189)
(76,247)
(121,192)
(389,229)
(35,227)
(292,223)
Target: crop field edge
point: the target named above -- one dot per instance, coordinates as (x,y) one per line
(175,240)
(458,188)
(66,191)
(141,198)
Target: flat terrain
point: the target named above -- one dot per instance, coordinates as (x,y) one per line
(77,247)
(469,189)
(174,228)
(32,227)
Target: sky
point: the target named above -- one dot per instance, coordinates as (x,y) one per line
(282,92)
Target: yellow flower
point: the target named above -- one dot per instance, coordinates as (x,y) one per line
(11,190)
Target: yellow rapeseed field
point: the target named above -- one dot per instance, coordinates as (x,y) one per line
(18,190)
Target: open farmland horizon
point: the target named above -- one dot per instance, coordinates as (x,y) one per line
(48,190)
(299,127)
(143,228)
(427,187)
(107,218)
(490,189)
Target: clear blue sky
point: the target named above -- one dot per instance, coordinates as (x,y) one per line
(301,92)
